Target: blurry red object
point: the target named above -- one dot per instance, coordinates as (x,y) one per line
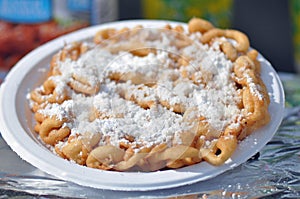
(16,40)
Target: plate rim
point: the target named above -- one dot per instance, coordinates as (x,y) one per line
(184,176)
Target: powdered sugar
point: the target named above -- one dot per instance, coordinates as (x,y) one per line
(254,88)
(115,110)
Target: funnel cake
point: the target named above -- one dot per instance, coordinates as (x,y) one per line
(146,99)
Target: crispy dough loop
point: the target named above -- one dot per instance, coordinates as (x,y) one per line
(142,52)
(52,130)
(105,157)
(229,50)
(242,40)
(152,161)
(255,97)
(75,151)
(49,93)
(176,156)
(113,35)
(256,111)
(135,77)
(211,34)
(71,51)
(181,40)
(133,160)
(138,95)
(78,148)
(253,54)
(221,151)
(82,84)
(104,34)
(242,64)
(179,152)
(54,70)
(200,127)
(199,25)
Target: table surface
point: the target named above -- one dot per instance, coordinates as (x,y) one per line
(274,172)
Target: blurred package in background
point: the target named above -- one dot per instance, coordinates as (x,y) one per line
(219,12)
(26,24)
(295,17)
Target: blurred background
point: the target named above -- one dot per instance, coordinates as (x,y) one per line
(273,26)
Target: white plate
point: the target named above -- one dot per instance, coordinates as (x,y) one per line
(16,125)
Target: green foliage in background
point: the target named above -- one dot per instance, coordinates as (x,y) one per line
(219,12)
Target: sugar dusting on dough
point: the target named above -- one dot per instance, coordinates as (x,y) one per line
(216,100)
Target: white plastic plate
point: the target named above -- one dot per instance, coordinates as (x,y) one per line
(16,125)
